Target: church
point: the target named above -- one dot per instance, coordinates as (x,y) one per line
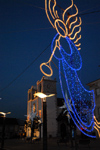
(35,107)
(57,117)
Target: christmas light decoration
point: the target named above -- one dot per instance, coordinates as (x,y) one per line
(42,95)
(48,64)
(97,126)
(65,25)
(83,101)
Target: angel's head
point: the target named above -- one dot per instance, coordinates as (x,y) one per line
(65,26)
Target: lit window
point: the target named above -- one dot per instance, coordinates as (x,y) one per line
(34,108)
(40,113)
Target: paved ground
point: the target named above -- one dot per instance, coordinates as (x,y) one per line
(19,144)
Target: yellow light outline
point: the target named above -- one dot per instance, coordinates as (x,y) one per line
(75,34)
(65,31)
(97,127)
(97,131)
(60,27)
(77,39)
(77,45)
(73,23)
(75,27)
(48,66)
(55,12)
(79,49)
(57,45)
(63,15)
(96,120)
(69,35)
(72,15)
(46,10)
(50,9)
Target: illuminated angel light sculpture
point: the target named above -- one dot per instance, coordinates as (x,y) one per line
(83,101)
(63,25)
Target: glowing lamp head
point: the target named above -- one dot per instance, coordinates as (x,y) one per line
(3,113)
(8,113)
(42,95)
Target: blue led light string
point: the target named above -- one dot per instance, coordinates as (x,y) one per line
(77,93)
(77,90)
(74,111)
(80,94)
(76,122)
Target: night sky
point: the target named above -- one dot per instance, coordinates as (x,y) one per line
(25,33)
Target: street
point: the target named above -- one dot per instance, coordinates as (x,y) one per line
(21,144)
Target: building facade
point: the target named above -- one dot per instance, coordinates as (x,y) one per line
(14,128)
(35,107)
(95,85)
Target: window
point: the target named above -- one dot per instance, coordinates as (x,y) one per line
(98,91)
(40,87)
(34,93)
(40,113)
(29,95)
(34,107)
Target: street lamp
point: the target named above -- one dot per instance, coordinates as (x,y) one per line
(3,129)
(42,95)
(5,113)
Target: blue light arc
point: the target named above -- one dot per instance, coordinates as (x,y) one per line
(83,101)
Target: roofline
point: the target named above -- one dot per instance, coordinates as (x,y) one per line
(92,82)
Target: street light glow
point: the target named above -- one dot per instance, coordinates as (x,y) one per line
(8,113)
(3,113)
(42,95)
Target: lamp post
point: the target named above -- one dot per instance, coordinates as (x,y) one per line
(3,128)
(42,95)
